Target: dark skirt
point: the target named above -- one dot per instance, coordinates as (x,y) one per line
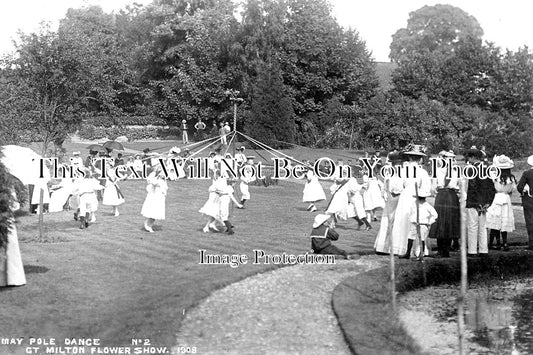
(448,224)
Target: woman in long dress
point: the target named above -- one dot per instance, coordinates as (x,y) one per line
(393,187)
(313,191)
(154,205)
(11,267)
(421,181)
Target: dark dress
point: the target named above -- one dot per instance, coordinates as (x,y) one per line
(321,238)
(447,226)
(527,202)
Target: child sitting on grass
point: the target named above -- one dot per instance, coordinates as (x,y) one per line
(321,236)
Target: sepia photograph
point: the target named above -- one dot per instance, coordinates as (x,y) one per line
(266,177)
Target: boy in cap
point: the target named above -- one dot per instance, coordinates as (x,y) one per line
(321,236)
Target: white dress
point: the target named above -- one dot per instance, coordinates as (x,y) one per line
(313,191)
(60,195)
(372,196)
(393,186)
(40,184)
(112,194)
(339,204)
(11,267)
(402,224)
(500,214)
(154,204)
(212,207)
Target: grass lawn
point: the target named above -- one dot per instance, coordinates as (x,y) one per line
(115,282)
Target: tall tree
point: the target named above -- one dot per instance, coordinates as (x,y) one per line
(271,117)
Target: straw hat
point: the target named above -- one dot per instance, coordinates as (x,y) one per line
(415,149)
(449,154)
(530,160)
(320,219)
(76,153)
(503,162)
(174,151)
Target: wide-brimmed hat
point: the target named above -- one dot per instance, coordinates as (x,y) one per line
(502,162)
(75,153)
(415,149)
(530,160)
(184,121)
(449,154)
(423,193)
(241,148)
(473,152)
(319,219)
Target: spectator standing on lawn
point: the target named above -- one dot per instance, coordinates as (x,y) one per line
(154,205)
(222,132)
(321,236)
(393,186)
(415,177)
(500,217)
(200,128)
(525,187)
(479,196)
(11,267)
(448,225)
(184,133)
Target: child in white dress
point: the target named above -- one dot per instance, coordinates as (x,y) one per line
(313,191)
(154,205)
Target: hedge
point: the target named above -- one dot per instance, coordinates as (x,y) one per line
(91,132)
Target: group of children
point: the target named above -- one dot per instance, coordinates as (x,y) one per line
(408,219)
(221,191)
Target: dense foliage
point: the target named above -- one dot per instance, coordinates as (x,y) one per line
(302,77)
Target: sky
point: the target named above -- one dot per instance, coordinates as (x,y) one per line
(506,23)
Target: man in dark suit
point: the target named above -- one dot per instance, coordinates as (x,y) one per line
(525,185)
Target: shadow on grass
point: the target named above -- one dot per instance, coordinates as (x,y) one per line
(35,269)
(362,303)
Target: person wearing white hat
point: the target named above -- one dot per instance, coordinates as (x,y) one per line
(525,187)
(86,189)
(413,156)
(184,133)
(321,236)
(500,217)
(421,216)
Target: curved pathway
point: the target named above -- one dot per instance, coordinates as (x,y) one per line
(286,311)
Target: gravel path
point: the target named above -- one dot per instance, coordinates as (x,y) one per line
(286,311)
